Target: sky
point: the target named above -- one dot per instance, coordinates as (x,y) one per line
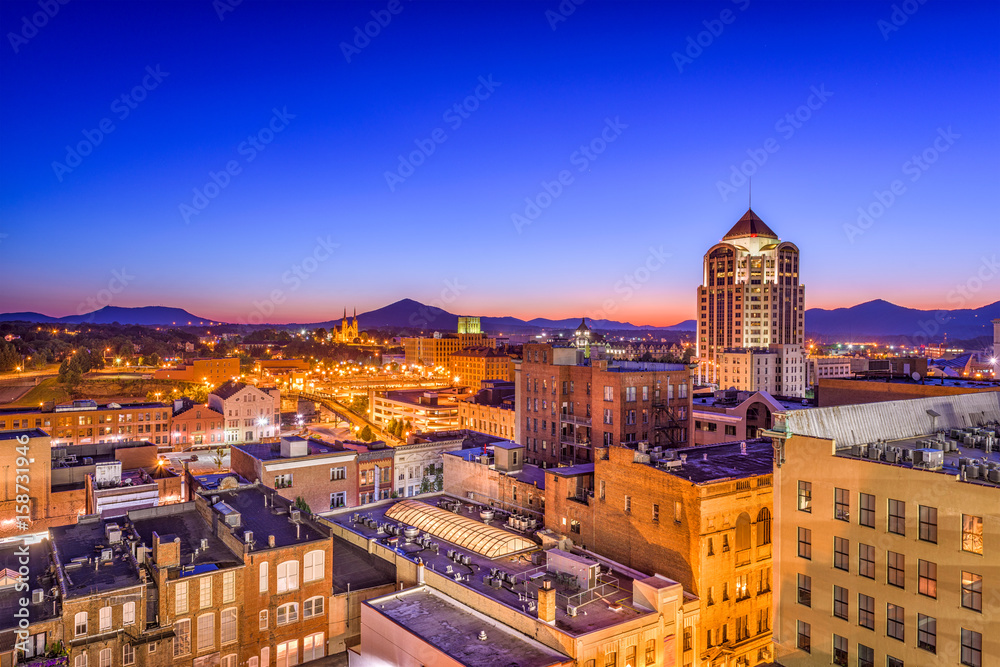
(279,161)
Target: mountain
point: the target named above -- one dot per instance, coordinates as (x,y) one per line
(146,315)
(881,318)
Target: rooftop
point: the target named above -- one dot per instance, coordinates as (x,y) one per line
(270,451)
(454,628)
(10,596)
(264,513)
(468,437)
(706,464)
(185,522)
(91,563)
(962,383)
(355,569)
(749,225)
(513,580)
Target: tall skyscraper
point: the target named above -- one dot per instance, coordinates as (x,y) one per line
(750,297)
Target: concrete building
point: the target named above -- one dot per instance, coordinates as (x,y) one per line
(85,422)
(496,475)
(576,608)
(821,367)
(571,403)
(750,296)
(491,410)
(436,350)
(251,414)
(323,474)
(472,366)
(195,425)
(375,465)
(777,369)
(423,409)
(701,516)
(419,464)
(210,371)
(835,392)
(732,415)
(469,325)
(888,535)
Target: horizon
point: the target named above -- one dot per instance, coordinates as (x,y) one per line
(224,155)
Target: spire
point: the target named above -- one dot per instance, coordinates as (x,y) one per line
(345,312)
(750,225)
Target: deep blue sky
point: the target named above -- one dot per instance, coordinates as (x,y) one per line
(450,222)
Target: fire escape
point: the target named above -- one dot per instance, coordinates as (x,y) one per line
(670,431)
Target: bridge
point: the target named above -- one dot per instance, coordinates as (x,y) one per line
(345,413)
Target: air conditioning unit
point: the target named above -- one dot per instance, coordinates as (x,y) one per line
(37,596)
(248,536)
(571,610)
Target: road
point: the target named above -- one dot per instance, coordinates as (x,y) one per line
(345,413)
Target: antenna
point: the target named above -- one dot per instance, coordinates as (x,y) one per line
(750,193)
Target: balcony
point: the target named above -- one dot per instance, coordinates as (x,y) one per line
(575,419)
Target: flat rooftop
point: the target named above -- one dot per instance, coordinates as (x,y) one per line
(80,547)
(960,383)
(271,451)
(356,569)
(528,474)
(605,606)
(38,577)
(265,513)
(468,437)
(183,521)
(454,628)
(713,463)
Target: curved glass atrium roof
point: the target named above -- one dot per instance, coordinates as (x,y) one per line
(461,531)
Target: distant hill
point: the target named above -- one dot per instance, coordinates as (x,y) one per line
(145,315)
(881,318)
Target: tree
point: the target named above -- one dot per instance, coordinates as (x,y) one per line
(9,358)
(359,405)
(301,503)
(366,434)
(218,457)
(152,359)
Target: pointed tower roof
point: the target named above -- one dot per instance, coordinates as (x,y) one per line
(583,326)
(749,225)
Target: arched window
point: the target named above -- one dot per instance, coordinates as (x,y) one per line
(288,613)
(314,566)
(743,532)
(763,527)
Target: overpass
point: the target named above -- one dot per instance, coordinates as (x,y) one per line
(345,413)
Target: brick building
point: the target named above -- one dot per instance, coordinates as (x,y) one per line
(571,403)
(195,425)
(419,464)
(44,627)
(436,350)
(251,414)
(729,415)
(202,370)
(472,366)
(374,469)
(490,410)
(832,392)
(701,516)
(85,422)
(496,475)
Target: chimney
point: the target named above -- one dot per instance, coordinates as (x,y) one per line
(547,603)
(270,541)
(420,572)
(166,552)
(743,448)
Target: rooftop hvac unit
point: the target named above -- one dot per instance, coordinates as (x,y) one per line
(88,461)
(972,472)
(451,554)
(113,532)
(466,560)
(106,555)
(994,476)
(470,495)
(296,515)
(37,596)
(248,536)
(571,610)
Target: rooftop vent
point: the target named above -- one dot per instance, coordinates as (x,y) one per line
(482,635)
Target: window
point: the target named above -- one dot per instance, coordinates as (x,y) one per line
(182,637)
(840,650)
(80,660)
(842,554)
(227,628)
(338,499)
(128,613)
(805,543)
(152,647)
(338,473)
(104,619)
(972,648)
(265,656)
(895,574)
(897,517)
(928,524)
(894,626)
(630,655)
(314,569)
(609,393)
(288,576)
(866,611)
(629,395)
(803,636)
(677,511)
(228,586)
(928,578)
(763,527)
(893,662)
(206,631)
(80,623)
(651,644)
(842,504)
(205,592)
(229,660)
(840,604)
(128,654)
(972,533)
(253,662)
(262,585)
(927,633)
(287,613)
(866,560)
(656,513)
(611,659)
(804,590)
(181,597)
(805,496)
(972,591)
(104,657)
(287,654)
(313,647)
(262,620)
(628,504)
(608,416)
(866,504)
(866,656)
(312,607)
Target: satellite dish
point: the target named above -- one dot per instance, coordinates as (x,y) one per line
(916,376)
